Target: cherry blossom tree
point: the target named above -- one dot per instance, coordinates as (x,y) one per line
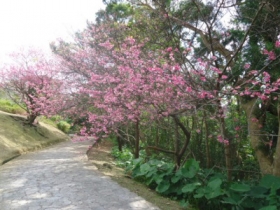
(244,62)
(33,81)
(190,67)
(126,83)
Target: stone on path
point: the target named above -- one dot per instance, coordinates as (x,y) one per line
(61,178)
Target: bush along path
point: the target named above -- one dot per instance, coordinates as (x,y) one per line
(60,177)
(206,189)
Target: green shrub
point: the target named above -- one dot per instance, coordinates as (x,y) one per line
(55,118)
(10,107)
(48,121)
(123,158)
(206,189)
(63,126)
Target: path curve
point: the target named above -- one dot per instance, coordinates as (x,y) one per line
(61,178)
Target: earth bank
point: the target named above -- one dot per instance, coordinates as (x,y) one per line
(16,137)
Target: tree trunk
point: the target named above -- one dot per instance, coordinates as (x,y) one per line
(276,162)
(120,142)
(31,119)
(255,123)
(137,140)
(187,140)
(157,137)
(176,147)
(227,150)
(207,150)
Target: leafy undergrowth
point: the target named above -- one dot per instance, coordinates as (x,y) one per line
(16,137)
(199,188)
(101,157)
(206,189)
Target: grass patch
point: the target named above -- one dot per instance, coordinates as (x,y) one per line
(48,121)
(10,107)
(57,122)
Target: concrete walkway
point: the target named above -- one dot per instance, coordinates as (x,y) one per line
(61,178)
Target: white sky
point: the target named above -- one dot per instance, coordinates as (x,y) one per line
(36,23)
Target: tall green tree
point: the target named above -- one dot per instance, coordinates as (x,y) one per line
(238,47)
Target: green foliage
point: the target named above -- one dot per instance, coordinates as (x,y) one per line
(58,122)
(205,189)
(55,118)
(194,10)
(264,195)
(63,126)
(121,10)
(9,106)
(124,157)
(47,121)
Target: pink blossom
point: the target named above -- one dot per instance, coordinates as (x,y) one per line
(277,44)
(107,45)
(189,89)
(247,66)
(222,140)
(40,84)
(169,49)
(237,128)
(130,40)
(203,79)
(203,94)
(271,54)
(263,97)
(216,70)
(187,50)
(214,58)
(234,91)
(177,67)
(254,119)
(247,92)
(266,76)
(255,82)
(224,77)
(253,72)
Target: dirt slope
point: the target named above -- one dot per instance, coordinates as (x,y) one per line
(17,138)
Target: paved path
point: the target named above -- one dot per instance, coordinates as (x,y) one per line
(61,178)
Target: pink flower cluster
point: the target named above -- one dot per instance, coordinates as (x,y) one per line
(222,140)
(271,54)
